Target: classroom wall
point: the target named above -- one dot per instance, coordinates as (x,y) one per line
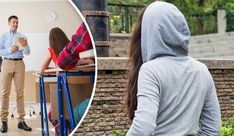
(32,16)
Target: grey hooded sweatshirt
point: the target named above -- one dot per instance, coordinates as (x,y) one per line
(176,94)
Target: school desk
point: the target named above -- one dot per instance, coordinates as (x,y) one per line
(61,82)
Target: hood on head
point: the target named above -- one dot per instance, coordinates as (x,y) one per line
(164,32)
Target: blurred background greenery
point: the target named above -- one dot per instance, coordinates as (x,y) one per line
(200,14)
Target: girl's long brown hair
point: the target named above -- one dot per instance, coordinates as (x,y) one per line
(135,62)
(57,40)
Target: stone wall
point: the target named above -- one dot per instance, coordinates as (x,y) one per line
(119,44)
(106,112)
(209,46)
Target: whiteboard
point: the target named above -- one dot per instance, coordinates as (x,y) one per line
(39,43)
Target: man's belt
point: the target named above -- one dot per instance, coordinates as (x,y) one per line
(14,59)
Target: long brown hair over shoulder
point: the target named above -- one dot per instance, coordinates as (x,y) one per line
(57,40)
(135,62)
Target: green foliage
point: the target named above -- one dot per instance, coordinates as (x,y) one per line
(115,20)
(201,17)
(228,128)
(139,2)
(230,20)
(225,131)
(118,133)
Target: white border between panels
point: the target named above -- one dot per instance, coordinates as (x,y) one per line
(96,68)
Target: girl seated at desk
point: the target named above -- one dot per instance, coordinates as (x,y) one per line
(57,41)
(65,53)
(60,44)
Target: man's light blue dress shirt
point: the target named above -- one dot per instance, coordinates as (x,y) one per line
(7,40)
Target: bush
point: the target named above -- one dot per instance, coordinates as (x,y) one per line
(228,128)
(118,133)
(230,20)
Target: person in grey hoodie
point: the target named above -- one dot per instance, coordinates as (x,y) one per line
(169,93)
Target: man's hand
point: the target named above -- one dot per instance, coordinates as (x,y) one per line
(14,48)
(23,41)
(85,61)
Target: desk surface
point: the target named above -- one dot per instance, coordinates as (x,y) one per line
(56,71)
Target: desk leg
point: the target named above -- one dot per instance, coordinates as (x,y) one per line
(45,109)
(68,99)
(65,127)
(60,106)
(41,105)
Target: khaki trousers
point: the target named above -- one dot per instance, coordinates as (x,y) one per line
(12,70)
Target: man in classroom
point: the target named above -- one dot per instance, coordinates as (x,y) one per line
(12,47)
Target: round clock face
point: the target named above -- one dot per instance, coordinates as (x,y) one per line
(51,16)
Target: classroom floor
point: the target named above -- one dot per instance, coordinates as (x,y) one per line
(34,121)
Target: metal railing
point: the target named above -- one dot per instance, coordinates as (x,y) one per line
(124,16)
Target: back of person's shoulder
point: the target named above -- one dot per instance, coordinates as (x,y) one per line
(198,64)
(154,66)
(149,64)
